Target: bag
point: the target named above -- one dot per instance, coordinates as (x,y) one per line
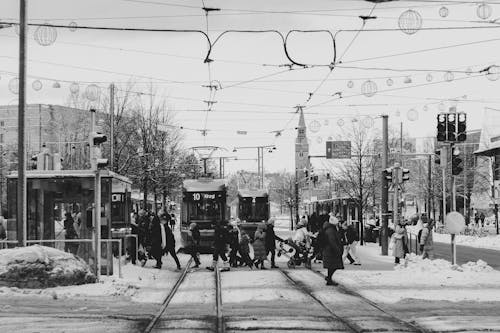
(392,242)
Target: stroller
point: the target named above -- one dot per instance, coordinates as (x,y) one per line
(297,254)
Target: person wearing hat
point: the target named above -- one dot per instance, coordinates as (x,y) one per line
(194,238)
(271,241)
(170,239)
(219,246)
(400,248)
(333,249)
(259,246)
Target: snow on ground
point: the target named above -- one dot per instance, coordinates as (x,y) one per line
(419,279)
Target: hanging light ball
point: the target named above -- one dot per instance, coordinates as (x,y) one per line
(389,82)
(45,35)
(448,76)
(410,22)
(56,85)
(367,122)
(92,92)
(314,126)
(319,139)
(74,88)
(429,77)
(350,84)
(340,122)
(493,73)
(412,115)
(369,88)
(441,106)
(37,85)
(468,71)
(14,85)
(426,108)
(444,11)
(73,26)
(326,122)
(408,80)
(484,11)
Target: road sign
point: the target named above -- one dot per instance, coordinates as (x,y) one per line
(338,149)
(455,223)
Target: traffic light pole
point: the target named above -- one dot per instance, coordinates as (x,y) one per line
(384,237)
(97,201)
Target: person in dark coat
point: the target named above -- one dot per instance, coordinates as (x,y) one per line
(333,250)
(143,233)
(170,245)
(158,239)
(234,244)
(219,246)
(482,217)
(270,241)
(194,239)
(245,249)
(69,227)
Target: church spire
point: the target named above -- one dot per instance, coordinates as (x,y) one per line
(302,122)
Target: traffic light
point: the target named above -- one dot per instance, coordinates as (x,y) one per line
(102,162)
(328,177)
(437,156)
(405,175)
(98,138)
(451,128)
(388,174)
(441,127)
(306,172)
(34,161)
(456,162)
(462,127)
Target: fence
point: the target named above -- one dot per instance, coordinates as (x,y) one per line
(42,241)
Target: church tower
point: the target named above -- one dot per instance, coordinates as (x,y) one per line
(301,148)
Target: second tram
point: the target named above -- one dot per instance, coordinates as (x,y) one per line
(204,202)
(253,208)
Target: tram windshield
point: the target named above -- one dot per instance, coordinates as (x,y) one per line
(205,206)
(253,209)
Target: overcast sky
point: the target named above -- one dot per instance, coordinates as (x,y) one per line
(174,63)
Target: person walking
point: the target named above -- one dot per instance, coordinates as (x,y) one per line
(351,240)
(476,219)
(144,231)
(172,221)
(270,242)
(3,233)
(245,249)
(259,246)
(482,217)
(234,244)
(194,239)
(158,240)
(332,250)
(427,242)
(400,248)
(70,233)
(170,246)
(219,247)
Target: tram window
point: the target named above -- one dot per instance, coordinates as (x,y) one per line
(261,208)
(205,210)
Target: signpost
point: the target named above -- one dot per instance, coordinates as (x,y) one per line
(338,149)
(455,224)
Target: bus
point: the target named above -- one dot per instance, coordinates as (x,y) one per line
(204,202)
(253,208)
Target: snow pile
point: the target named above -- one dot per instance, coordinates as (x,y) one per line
(415,263)
(41,267)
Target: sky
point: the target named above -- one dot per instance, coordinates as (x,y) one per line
(257,94)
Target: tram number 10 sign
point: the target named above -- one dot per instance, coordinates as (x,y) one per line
(198,196)
(338,149)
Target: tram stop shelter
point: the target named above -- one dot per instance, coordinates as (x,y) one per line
(54,194)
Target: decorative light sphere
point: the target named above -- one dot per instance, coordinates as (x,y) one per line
(56,85)
(45,35)
(340,122)
(390,82)
(367,122)
(319,139)
(429,77)
(407,80)
(14,85)
(493,73)
(441,106)
(37,85)
(314,126)
(448,76)
(484,11)
(412,115)
(426,108)
(92,92)
(74,88)
(444,11)
(73,26)
(350,84)
(369,88)
(410,22)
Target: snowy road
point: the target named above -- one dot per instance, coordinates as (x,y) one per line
(467,253)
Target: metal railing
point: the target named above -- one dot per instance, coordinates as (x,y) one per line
(5,241)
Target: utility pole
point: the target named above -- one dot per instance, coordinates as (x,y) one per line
(296,197)
(97,200)
(429,185)
(21,153)
(384,237)
(112,125)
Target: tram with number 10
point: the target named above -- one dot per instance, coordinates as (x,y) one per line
(204,202)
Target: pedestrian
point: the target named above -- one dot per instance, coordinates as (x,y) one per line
(245,249)
(158,240)
(400,239)
(134,230)
(271,239)
(194,239)
(170,246)
(234,244)
(332,250)
(426,241)
(3,233)
(172,221)
(70,233)
(219,247)
(259,246)
(144,232)
(482,217)
(476,219)
(351,240)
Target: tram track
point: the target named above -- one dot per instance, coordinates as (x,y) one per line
(168,298)
(220,325)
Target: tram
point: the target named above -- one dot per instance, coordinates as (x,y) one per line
(253,208)
(204,202)
(346,207)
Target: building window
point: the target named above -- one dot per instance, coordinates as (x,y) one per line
(1,137)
